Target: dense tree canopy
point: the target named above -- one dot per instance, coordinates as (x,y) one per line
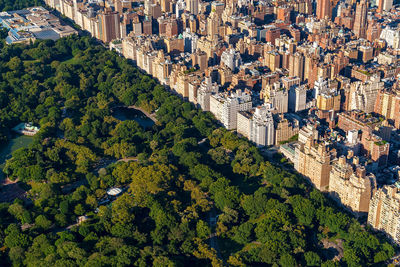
(8,5)
(180,196)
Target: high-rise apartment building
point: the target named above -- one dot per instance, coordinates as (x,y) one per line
(362,96)
(367,53)
(324,10)
(193,89)
(391,36)
(231,58)
(309,131)
(166,5)
(296,65)
(388,105)
(272,59)
(326,98)
(351,186)
(213,22)
(206,89)
(109,25)
(180,7)
(375,148)
(226,106)
(384,211)
(262,126)
(190,41)
(147,7)
(297,98)
(192,6)
(147,27)
(162,67)
(285,128)
(360,21)
(384,5)
(199,59)
(257,125)
(373,31)
(278,96)
(314,161)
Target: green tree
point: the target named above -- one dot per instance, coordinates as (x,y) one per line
(203,230)
(42,222)
(15,238)
(79,209)
(303,209)
(243,234)
(123,209)
(312,258)
(287,260)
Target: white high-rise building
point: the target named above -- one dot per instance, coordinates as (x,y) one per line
(297,98)
(363,95)
(391,36)
(190,40)
(309,131)
(262,126)
(226,106)
(206,89)
(231,58)
(320,85)
(180,8)
(279,100)
(384,211)
(352,137)
(147,7)
(387,5)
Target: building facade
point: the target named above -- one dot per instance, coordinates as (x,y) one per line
(384,211)
(314,162)
(351,186)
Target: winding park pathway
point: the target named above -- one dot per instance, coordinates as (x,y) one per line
(212,221)
(128,159)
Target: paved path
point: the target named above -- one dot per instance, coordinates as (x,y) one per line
(128,159)
(213,237)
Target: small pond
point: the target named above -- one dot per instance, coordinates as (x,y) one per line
(125,113)
(6,150)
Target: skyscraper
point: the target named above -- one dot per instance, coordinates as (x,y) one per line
(225,107)
(360,22)
(324,9)
(147,7)
(384,211)
(384,5)
(165,5)
(262,126)
(192,6)
(109,26)
(206,89)
(379,4)
(296,65)
(350,185)
(313,160)
(297,98)
(213,22)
